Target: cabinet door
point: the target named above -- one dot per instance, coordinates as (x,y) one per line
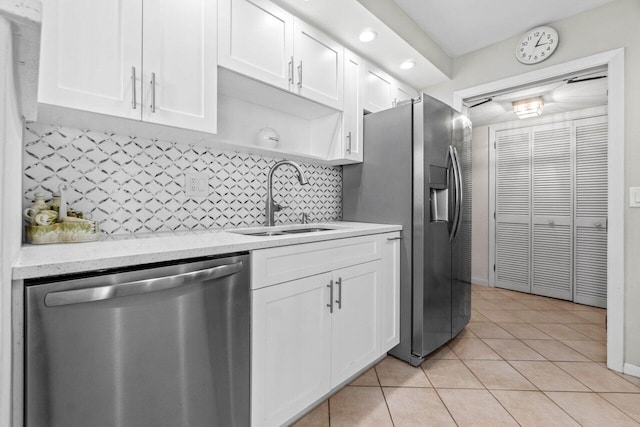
(291,348)
(353,109)
(256,39)
(377,90)
(91,54)
(390,292)
(180,63)
(552,211)
(590,224)
(355,337)
(402,92)
(513,203)
(319,66)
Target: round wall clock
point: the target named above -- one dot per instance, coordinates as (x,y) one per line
(537,45)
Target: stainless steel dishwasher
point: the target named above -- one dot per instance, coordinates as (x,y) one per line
(163,345)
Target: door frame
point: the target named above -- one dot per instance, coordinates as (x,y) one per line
(614,60)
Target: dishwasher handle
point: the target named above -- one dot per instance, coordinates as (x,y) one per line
(101,293)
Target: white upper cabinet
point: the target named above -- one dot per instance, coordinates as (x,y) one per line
(378,90)
(403,92)
(180,64)
(152,60)
(353,107)
(262,41)
(91,56)
(256,39)
(318,66)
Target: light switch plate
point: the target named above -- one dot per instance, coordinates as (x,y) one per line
(196,184)
(634,197)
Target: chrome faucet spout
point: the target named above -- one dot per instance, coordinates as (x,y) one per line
(272,207)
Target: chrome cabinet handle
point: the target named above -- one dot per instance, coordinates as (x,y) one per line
(300,75)
(339,300)
(291,70)
(153,92)
(395,238)
(134,101)
(101,293)
(330,305)
(598,224)
(349,143)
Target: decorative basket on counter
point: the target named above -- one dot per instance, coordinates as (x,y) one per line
(62,232)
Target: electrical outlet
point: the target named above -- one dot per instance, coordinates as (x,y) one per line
(196,184)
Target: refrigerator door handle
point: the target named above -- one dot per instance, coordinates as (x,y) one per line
(459,195)
(456,207)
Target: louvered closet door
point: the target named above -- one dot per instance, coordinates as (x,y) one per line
(552,266)
(513,200)
(591,211)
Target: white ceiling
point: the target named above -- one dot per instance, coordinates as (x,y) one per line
(462,26)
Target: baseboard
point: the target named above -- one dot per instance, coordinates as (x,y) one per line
(480,281)
(630,369)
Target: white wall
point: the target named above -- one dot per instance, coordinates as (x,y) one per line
(10,203)
(480,203)
(602,29)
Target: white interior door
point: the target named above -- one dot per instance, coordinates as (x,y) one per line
(180,63)
(591,211)
(513,204)
(91,56)
(256,39)
(552,259)
(319,66)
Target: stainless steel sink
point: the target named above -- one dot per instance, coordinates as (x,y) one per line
(284,230)
(306,230)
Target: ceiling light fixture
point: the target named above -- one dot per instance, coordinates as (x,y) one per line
(368,35)
(408,64)
(528,107)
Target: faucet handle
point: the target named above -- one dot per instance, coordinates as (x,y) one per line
(277,207)
(305,218)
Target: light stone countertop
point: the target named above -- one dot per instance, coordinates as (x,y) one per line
(127,250)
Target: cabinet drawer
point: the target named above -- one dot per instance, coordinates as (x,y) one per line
(277,265)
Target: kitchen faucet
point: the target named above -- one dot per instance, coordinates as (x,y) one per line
(271,206)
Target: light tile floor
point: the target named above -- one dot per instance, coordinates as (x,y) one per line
(522,360)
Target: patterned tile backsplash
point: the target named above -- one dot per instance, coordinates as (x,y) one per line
(134,185)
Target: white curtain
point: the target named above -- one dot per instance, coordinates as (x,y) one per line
(10,206)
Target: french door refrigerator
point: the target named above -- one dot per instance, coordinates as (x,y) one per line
(417,173)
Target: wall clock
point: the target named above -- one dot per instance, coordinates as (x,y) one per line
(537,45)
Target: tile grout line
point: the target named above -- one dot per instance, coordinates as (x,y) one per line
(384,396)
(445,406)
(619,408)
(542,391)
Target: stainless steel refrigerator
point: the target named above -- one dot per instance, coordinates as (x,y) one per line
(417,172)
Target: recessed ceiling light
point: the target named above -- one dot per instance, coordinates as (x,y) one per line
(367,35)
(408,64)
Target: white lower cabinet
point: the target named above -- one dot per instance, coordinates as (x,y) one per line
(313,333)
